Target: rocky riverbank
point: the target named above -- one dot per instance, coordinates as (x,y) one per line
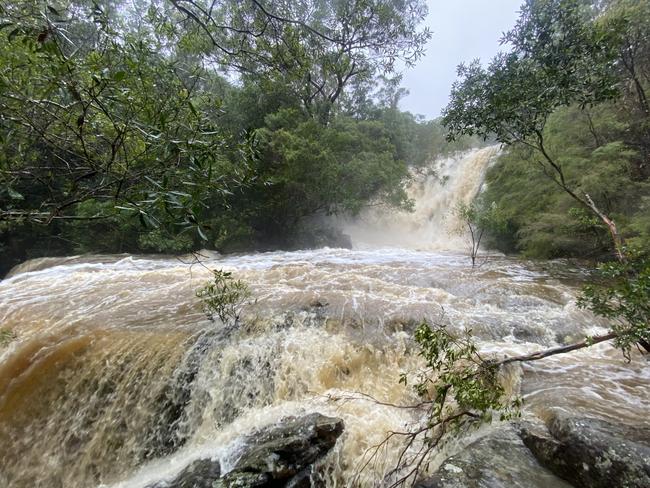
(281,455)
(564,452)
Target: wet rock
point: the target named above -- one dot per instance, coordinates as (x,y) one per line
(201,473)
(592,453)
(318,303)
(278,456)
(498,460)
(283,455)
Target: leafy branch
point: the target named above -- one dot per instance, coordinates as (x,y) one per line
(223,296)
(459,389)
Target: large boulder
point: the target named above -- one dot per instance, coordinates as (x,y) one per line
(498,460)
(592,453)
(282,455)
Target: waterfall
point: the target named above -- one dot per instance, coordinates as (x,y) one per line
(436,192)
(112,376)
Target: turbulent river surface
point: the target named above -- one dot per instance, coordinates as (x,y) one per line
(111,375)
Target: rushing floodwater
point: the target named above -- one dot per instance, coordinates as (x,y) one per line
(111,374)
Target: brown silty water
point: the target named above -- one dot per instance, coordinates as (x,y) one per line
(111,375)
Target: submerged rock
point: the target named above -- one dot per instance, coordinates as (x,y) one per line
(282,455)
(498,460)
(592,453)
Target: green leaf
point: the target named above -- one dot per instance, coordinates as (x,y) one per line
(14,195)
(192,108)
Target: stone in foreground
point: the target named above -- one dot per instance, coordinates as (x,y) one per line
(282,455)
(592,453)
(498,460)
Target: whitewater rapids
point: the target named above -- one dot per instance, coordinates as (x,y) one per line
(111,374)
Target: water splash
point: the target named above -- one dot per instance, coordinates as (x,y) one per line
(111,375)
(436,192)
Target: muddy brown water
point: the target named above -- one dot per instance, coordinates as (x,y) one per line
(111,375)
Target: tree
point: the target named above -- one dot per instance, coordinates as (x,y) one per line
(317,48)
(93,111)
(474,219)
(564,53)
(309,169)
(558,58)
(628,23)
(223,297)
(543,222)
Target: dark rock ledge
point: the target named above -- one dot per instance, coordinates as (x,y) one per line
(281,455)
(498,460)
(569,451)
(592,453)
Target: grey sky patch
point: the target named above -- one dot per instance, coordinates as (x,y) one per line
(462,31)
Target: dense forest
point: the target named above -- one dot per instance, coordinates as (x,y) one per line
(570,95)
(165,127)
(169,127)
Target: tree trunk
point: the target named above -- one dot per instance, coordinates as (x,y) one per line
(613,230)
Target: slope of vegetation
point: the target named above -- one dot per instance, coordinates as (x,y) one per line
(598,135)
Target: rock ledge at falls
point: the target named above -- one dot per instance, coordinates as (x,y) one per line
(568,451)
(592,453)
(280,455)
(498,460)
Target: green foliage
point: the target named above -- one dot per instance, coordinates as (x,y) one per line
(224,296)
(76,127)
(119,132)
(543,221)
(314,168)
(474,220)
(557,58)
(623,296)
(159,241)
(480,216)
(569,98)
(459,382)
(317,50)
(459,390)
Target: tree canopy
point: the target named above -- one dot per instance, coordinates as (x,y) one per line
(316,48)
(175,125)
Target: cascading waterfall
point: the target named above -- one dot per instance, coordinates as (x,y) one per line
(111,375)
(436,191)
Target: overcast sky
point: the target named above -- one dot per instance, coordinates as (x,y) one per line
(462,30)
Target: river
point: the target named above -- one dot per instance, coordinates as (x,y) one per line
(112,375)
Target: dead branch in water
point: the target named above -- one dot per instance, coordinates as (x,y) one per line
(412,464)
(535,356)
